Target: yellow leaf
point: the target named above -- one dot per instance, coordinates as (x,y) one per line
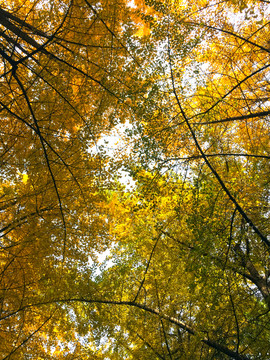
(24,178)
(144,30)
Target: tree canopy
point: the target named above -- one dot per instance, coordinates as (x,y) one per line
(135,178)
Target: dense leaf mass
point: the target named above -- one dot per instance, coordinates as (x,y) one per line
(134,191)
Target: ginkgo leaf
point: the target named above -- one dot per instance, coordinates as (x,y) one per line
(173,98)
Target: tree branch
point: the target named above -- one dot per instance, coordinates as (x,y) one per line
(211,343)
(224,187)
(233,118)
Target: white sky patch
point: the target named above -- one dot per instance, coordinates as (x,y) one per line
(104,262)
(115,147)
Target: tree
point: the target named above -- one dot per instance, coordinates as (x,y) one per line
(189,251)
(59,62)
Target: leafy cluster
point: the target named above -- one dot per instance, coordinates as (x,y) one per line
(185,86)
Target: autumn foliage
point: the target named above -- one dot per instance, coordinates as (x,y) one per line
(134,193)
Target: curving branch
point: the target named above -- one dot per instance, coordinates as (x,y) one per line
(182,325)
(245,40)
(204,156)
